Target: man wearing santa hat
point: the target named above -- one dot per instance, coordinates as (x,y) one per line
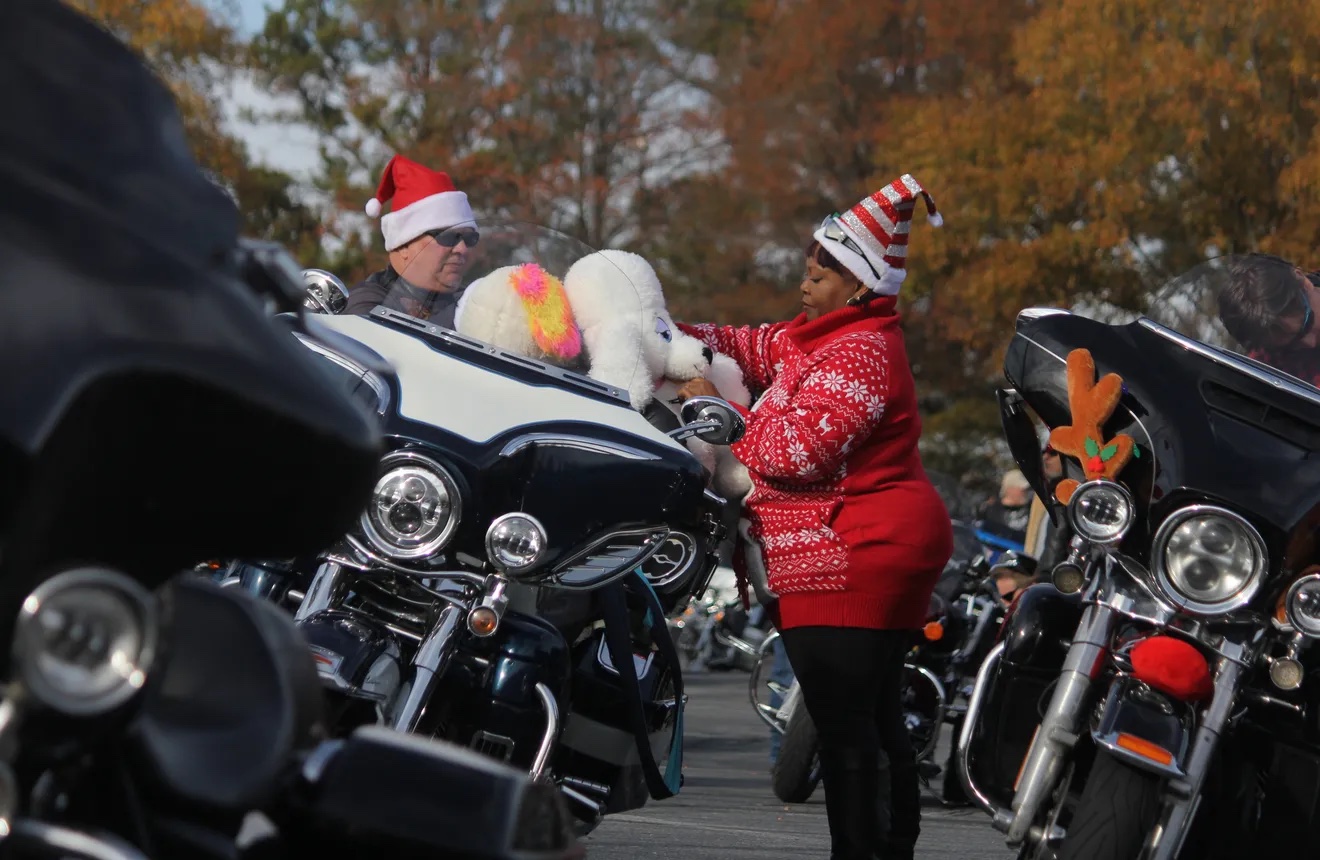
(428,233)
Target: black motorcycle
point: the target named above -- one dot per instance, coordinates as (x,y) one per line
(161,419)
(1157,698)
(528,536)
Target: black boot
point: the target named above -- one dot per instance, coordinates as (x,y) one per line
(851,800)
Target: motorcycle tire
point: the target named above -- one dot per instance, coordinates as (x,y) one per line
(797,768)
(1118,807)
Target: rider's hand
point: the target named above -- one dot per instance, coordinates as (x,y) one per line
(699,387)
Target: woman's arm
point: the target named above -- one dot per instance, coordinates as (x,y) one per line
(752,348)
(839,404)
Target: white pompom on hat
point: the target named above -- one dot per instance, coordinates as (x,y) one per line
(423,200)
(879,226)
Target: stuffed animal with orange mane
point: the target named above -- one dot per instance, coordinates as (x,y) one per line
(1091,403)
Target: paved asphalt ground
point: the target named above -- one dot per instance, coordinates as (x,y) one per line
(726,809)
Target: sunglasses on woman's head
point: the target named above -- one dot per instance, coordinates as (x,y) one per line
(450,238)
(832,230)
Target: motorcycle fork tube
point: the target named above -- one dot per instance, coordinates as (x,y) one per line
(1184,796)
(322,593)
(1058,729)
(432,658)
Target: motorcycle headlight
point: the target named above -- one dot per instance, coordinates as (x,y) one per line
(414,509)
(516,543)
(1102,511)
(1208,560)
(85,640)
(1302,605)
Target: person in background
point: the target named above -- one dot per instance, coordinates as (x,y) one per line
(1269,306)
(1006,517)
(844,521)
(428,233)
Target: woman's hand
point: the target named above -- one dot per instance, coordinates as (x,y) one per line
(699,387)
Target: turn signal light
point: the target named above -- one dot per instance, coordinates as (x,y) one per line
(1144,748)
(482,621)
(934,631)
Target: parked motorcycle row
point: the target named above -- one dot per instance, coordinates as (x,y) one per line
(265,593)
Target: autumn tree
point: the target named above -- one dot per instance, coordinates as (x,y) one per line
(192,49)
(555,113)
(1132,139)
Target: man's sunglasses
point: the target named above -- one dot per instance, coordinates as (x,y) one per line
(451,238)
(1308,315)
(834,232)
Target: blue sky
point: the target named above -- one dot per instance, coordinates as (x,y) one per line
(253,13)
(288,148)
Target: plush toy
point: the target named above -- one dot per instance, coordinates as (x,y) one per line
(610,302)
(522,309)
(632,342)
(1091,404)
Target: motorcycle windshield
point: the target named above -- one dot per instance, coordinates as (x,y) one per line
(535,292)
(1211,418)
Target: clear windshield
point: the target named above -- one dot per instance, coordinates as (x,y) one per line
(1241,290)
(535,292)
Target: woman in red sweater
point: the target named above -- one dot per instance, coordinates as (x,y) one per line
(850,532)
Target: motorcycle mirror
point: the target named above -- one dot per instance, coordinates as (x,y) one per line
(711,420)
(84,641)
(323,292)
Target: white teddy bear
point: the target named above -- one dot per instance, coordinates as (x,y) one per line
(632,342)
(611,303)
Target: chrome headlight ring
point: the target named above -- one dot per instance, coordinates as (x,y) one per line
(1102,512)
(415,508)
(516,543)
(1302,606)
(1201,551)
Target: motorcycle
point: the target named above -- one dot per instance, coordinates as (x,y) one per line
(508,584)
(1156,697)
(147,712)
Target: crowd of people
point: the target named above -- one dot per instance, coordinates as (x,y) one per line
(847,534)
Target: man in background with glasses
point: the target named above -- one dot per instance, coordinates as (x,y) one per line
(429,233)
(1270,306)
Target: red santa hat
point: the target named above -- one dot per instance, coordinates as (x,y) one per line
(878,228)
(423,200)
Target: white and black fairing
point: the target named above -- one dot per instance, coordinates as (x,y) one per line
(522,435)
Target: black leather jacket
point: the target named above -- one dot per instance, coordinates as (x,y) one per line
(385,288)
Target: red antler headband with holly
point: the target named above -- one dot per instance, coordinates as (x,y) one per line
(1091,404)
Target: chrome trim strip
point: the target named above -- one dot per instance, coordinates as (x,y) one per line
(371,378)
(1278,379)
(551,708)
(581,443)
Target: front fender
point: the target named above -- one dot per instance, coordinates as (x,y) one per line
(1145,728)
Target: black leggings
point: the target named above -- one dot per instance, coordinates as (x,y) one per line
(851,681)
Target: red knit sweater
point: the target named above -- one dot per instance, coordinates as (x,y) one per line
(852,531)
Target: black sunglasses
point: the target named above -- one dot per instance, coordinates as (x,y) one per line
(451,238)
(831,230)
(1308,316)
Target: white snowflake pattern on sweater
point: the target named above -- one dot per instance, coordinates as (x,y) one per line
(816,409)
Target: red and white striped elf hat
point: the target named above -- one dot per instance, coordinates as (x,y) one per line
(879,227)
